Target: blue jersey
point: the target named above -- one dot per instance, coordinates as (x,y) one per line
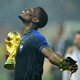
(29,59)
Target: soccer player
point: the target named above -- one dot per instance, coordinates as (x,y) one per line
(33,47)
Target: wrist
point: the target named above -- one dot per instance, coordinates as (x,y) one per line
(63,65)
(61,60)
(66,63)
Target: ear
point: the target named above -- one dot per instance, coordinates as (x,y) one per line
(35,20)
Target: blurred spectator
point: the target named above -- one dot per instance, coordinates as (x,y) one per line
(74,52)
(59,41)
(60,45)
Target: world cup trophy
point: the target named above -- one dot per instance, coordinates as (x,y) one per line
(12,41)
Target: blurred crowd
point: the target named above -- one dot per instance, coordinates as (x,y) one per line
(66,47)
(62,33)
(60,46)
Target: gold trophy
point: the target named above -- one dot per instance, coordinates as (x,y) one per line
(12,41)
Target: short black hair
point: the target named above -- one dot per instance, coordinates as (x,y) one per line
(78,32)
(42,16)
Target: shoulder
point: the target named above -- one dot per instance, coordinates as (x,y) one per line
(37,40)
(70,50)
(37,35)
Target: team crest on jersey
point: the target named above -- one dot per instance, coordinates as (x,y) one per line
(21,47)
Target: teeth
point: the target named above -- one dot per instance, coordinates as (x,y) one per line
(23,11)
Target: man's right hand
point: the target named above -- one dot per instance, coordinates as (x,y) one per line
(63,64)
(68,64)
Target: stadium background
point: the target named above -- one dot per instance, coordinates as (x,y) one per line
(66,12)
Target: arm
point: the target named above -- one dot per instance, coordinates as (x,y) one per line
(63,64)
(52,56)
(39,43)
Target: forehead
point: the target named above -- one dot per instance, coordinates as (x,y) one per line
(77,36)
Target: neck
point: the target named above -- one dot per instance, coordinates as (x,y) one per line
(27,27)
(78,48)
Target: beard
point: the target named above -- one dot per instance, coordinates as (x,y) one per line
(27,20)
(22,19)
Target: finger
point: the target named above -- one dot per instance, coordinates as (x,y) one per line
(72,72)
(74,65)
(73,68)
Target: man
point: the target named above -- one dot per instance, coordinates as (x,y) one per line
(33,47)
(60,44)
(74,52)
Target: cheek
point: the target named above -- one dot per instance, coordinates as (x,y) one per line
(26,17)
(77,40)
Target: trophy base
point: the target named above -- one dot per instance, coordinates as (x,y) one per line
(10,65)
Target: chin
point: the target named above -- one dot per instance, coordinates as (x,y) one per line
(20,17)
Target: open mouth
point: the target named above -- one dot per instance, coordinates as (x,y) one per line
(23,12)
(22,18)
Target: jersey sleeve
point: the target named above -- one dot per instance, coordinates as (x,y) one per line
(38,42)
